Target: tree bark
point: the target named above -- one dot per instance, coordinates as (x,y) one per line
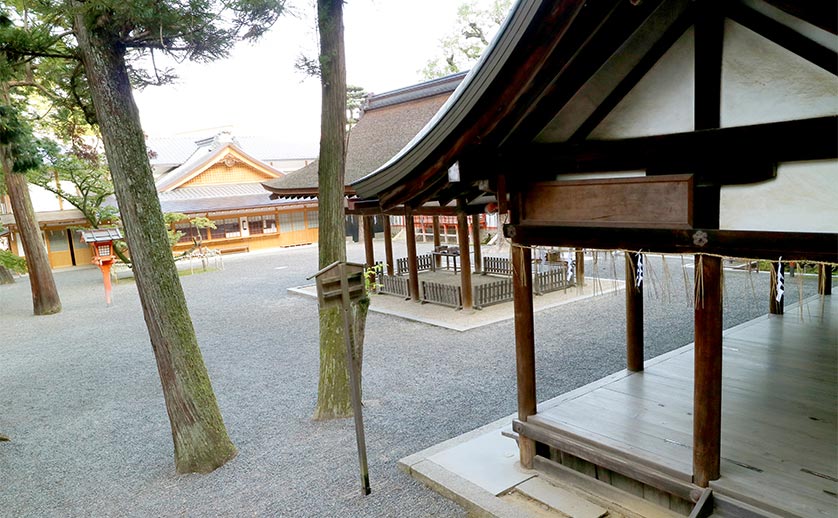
(45,299)
(200,438)
(6,276)
(333,391)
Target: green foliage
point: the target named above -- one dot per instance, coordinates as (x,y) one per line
(12,261)
(371,276)
(477,23)
(356,96)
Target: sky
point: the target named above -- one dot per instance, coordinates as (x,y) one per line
(257,90)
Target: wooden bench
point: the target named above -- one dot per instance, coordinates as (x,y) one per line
(234,249)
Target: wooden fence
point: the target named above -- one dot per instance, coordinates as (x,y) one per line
(395,285)
(497,265)
(425,262)
(493,293)
(550,280)
(443,294)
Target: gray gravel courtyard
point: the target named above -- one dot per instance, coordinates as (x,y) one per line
(81,400)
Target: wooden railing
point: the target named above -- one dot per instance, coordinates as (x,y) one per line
(424,261)
(493,293)
(443,294)
(395,285)
(497,265)
(550,280)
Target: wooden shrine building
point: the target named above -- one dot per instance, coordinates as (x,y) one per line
(673,126)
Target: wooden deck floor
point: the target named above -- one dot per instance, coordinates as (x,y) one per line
(779,432)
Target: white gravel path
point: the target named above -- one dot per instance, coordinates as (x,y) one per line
(81,401)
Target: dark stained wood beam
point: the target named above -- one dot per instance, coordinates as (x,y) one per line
(707,395)
(465,260)
(369,234)
(825,279)
(797,246)
(709,38)
(524,344)
(388,244)
(820,13)
(787,38)
(652,56)
(634,316)
(437,241)
(475,239)
(412,258)
(736,155)
(372,207)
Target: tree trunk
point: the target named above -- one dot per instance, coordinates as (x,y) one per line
(200,438)
(45,299)
(333,392)
(6,276)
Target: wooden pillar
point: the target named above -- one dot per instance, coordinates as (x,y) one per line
(437,241)
(707,398)
(412,261)
(524,344)
(369,234)
(465,259)
(388,245)
(475,238)
(634,317)
(825,279)
(580,268)
(776,307)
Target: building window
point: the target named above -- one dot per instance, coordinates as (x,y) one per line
(226,228)
(292,221)
(312,216)
(190,233)
(262,224)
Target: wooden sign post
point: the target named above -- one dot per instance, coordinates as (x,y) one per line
(341,284)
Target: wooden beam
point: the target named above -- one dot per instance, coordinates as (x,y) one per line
(369,234)
(652,56)
(825,279)
(776,307)
(709,37)
(412,259)
(634,316)
(707,397)
(465,261)
(580,268)
(524,341)
(388,244)
(475,239)
(819,14)
(437,241)
(727,156)
(794,246)
(784,36)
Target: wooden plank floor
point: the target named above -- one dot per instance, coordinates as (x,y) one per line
(779,431)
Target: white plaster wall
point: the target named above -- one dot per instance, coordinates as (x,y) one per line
(763,82)
(42,199)
(662,102)
(803,198)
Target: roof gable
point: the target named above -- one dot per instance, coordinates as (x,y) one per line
(226,164)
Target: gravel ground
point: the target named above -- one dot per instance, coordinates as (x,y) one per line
(80,397)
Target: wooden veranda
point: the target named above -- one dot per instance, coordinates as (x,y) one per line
(779,414)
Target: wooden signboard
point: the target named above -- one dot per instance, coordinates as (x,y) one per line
(640,202)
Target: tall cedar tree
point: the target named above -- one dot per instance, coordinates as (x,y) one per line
(333,392)
(16,157)
(105,32)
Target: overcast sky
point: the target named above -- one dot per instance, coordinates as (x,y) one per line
(257,91)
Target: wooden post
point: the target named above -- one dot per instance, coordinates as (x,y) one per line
(776,307)
(388,245)
(369,234)
(475,238)
(465,259)
(437,241)
(524,344)
(580,268)
(825,279)
(412,261)
(634,317)
(707,398)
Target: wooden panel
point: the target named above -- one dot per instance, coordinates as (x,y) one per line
(648,202)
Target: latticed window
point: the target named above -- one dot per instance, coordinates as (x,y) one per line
(226,228)
(292,221)
(262,224)
(312,216)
